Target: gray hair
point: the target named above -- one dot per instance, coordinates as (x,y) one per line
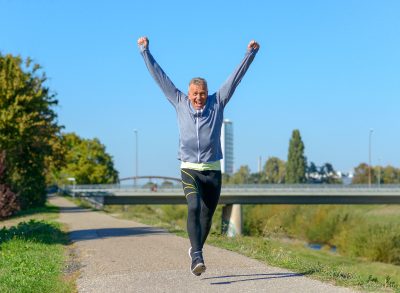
(198,81)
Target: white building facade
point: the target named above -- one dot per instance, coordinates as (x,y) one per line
(227,163)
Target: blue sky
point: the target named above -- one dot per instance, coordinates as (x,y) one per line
(328,68)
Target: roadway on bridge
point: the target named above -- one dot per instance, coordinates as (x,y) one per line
(124,256)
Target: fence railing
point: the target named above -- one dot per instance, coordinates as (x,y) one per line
(245,194)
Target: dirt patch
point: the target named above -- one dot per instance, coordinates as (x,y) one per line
(71,271)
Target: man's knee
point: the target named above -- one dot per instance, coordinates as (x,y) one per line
(193,205)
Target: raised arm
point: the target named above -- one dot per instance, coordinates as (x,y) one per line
(228,88)
(163,81)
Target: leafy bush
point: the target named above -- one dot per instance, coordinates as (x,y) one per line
(36,231)
(376,242)
(8,199)
(348,228)
(174,214)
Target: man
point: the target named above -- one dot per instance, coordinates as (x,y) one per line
(200,118)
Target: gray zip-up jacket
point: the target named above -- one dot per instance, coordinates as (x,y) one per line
(199,131)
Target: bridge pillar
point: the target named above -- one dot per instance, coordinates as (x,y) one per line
(232,220)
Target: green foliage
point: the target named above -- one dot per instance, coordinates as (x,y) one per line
(33,230)
(86,160)
(361,174)
(242,176)
(351,230)
(31,258)
(274,170)
(167,184)
(376,242)
(323,174)
(388,174)
(175,215)
(226,178)
(8,199)
(379,174)
(323,224)
(29,132)
(323,265)
(296,163)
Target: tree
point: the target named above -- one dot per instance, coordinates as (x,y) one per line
(361,174)
(87,161)
(297,162)
(274,170)
(167,184)
(226,179)
(242,176)
(379,174)
(312,168)
(328,174)
(256,178)
(390,175)
(29,131)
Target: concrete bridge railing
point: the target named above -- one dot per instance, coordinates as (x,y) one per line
(233,196)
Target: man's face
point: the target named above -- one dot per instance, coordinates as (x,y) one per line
(198,95)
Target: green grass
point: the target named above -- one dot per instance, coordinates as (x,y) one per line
(32,253)
(294,255)
(322,265)
(81,202)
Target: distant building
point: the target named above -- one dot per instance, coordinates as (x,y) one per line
(227,147)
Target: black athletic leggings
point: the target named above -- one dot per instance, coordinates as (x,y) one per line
(202,190)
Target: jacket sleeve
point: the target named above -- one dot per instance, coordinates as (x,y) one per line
(163,81)
(226,91)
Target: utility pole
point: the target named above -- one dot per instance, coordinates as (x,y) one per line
(136,160)
(369,155)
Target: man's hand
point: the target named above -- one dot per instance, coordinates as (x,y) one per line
(143,42)
(253,45)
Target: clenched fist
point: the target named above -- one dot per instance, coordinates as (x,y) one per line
(143,42)
(253,45)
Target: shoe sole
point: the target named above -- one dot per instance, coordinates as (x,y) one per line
(189,251)
(199,269)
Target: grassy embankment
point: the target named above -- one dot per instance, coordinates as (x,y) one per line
(32,253)
(274,229)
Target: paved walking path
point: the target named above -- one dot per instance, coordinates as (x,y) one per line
(124,256)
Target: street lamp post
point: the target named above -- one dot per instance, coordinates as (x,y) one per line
(369,156)
(72,179)
(379,172)
(136,160)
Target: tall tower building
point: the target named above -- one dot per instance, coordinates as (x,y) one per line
(227,147)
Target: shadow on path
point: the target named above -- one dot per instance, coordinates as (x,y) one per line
(253,277)
(74,210)
(93,234)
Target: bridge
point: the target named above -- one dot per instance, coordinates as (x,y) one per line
(246,194)
(233,196)
(149,177)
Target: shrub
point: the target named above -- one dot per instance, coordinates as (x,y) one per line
(8,199)
(174,214)
(325,223)
(375,242)
(347,228)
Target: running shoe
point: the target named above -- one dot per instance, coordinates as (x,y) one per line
(197,267)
